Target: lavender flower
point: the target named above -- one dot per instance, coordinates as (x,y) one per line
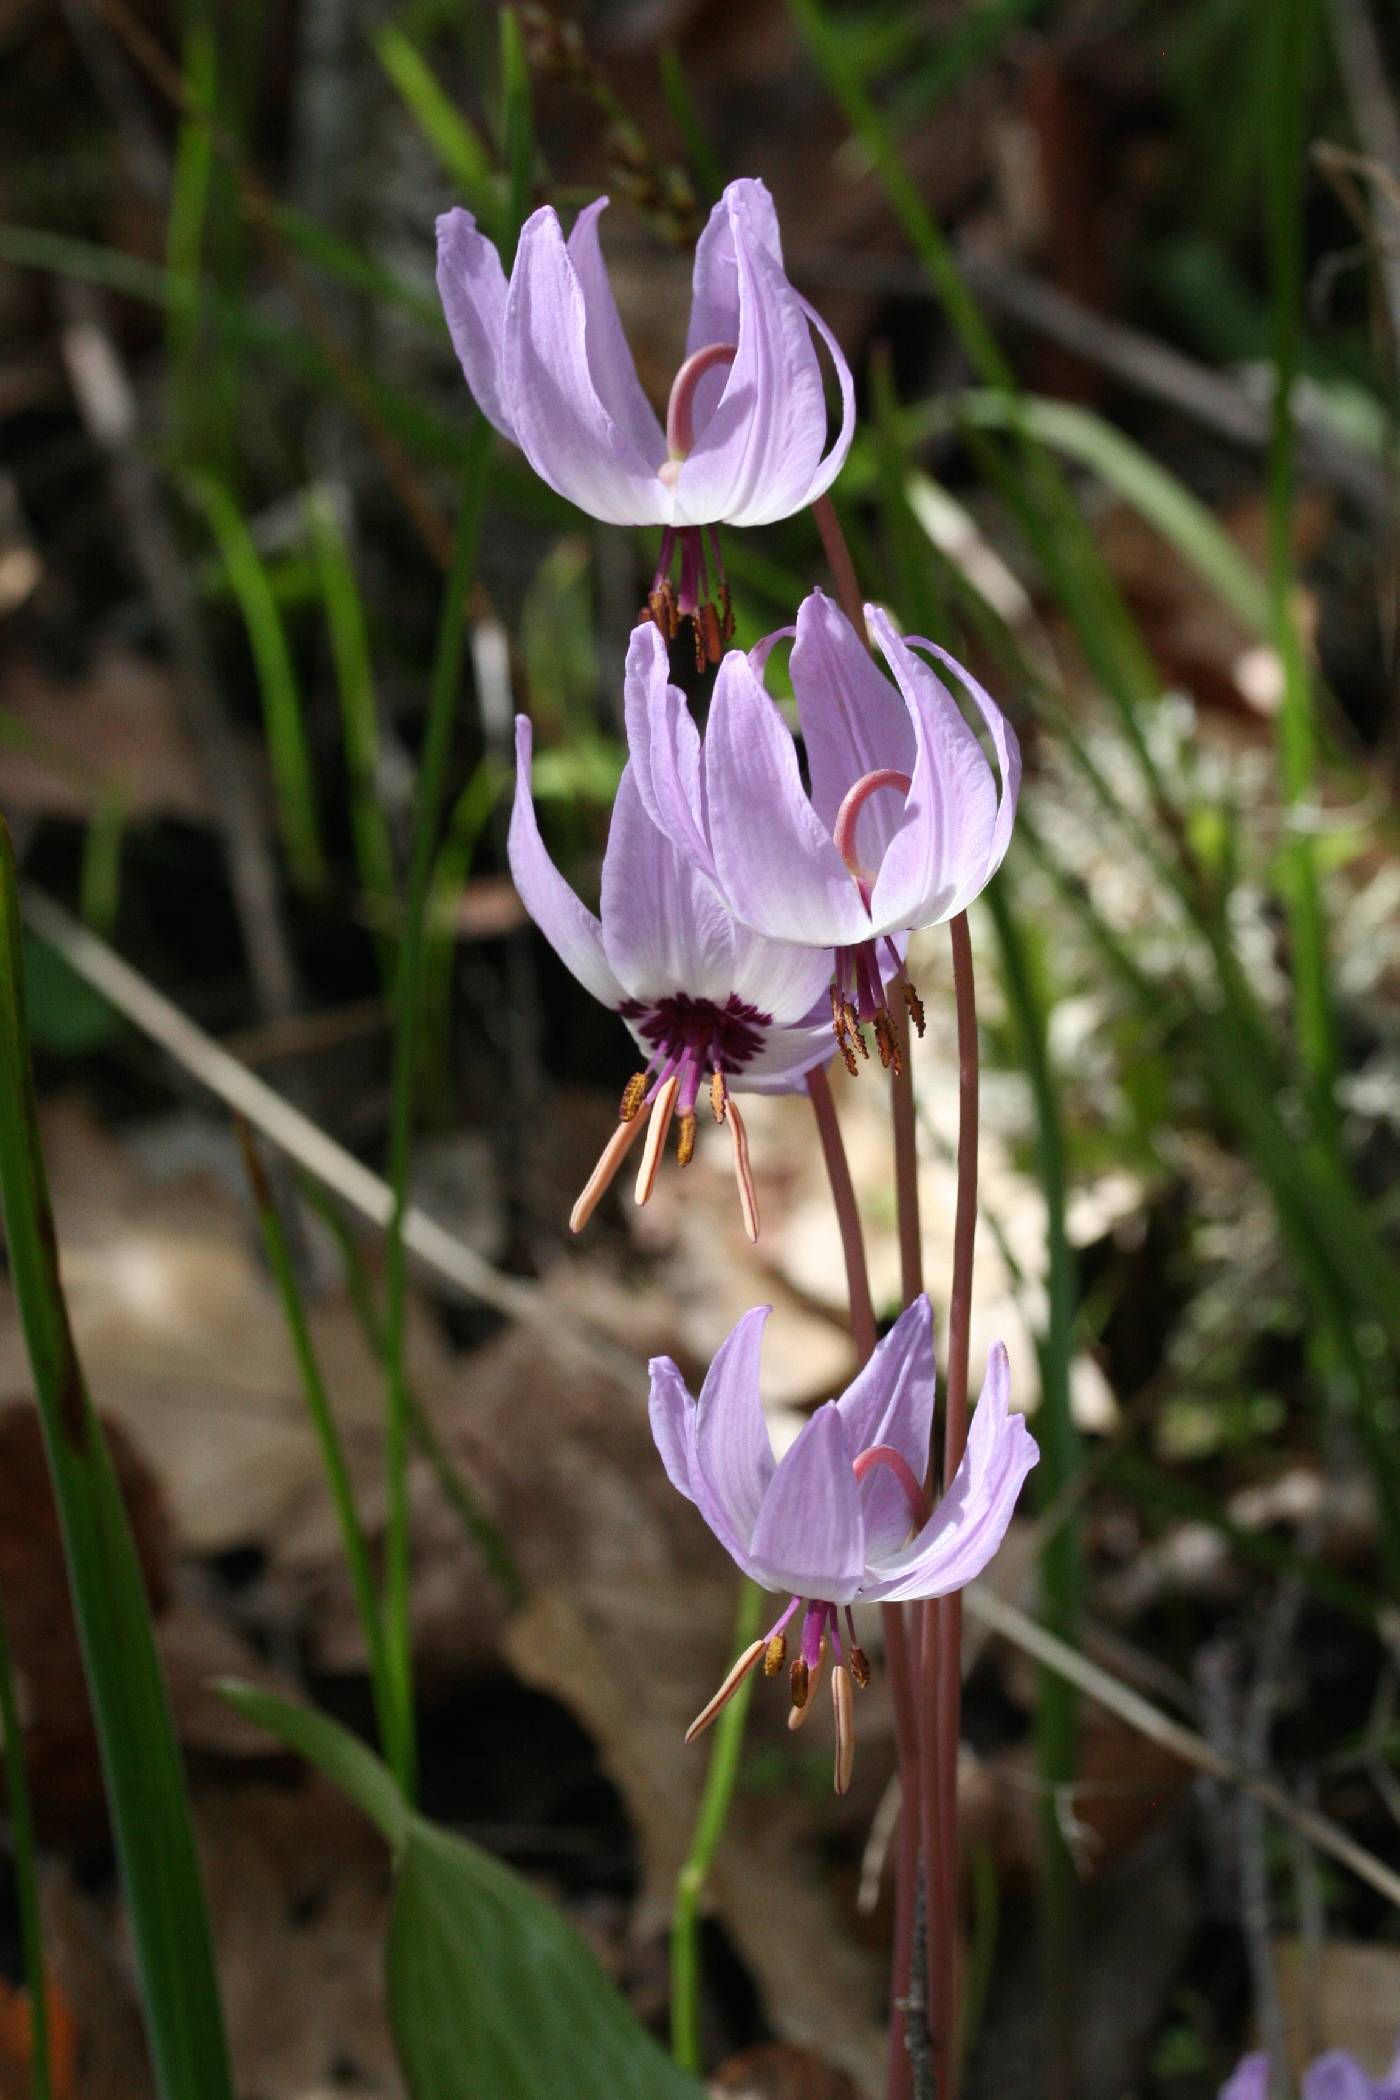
(831,1522)
(706,1000)
(904,824)
(746,424)
(1336,2076)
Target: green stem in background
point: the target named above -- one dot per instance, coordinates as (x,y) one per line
(141,1762)
(1285,27)
(1061,1571)
(359,727)
(432,794)
(289,753)
(517,129)
(21,1813)
(484,1533)
(184,242)
(352,1537)
(704,161)
(720,1778)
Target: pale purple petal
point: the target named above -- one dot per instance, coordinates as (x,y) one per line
(714,299)
(609,359)
(890,1401)
(758,452)
(472,287)
(672,1412)
(776,862)
(1250,2081)
(788,1054)
(970,1522)
(665,925)
(1337,2076)
(733,1459)
(853,720)
(828,468)
(561,425)
(566,923)
(1006,746)
(940,854)
(664,745)
(780,978)
(810,1535)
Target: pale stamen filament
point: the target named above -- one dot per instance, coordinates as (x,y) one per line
(748,1201)
(663,1108)
(600,1180)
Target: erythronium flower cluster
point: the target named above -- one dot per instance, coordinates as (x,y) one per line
(904,824)
(710,1004)
(841,1519)
(1336,2076)
(745,437)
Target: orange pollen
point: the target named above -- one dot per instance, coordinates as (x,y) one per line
(774,1655)
(685,1142)
(633,1095)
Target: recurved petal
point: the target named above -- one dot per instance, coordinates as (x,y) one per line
(775,858)
(714,300)
(609,358)
(854,721)
(561,425)
(940,854)
(671,1410)
(890,1401)
(733,1459)
(566,923)
(664,745)
(970,1522)
(810,1535)
(472,287)
(756,453)
(1008,751)
(666,928)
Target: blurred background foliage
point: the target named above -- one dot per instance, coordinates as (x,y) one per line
(1120,283)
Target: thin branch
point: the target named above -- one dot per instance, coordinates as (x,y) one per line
(305,1142)
(1148,1720)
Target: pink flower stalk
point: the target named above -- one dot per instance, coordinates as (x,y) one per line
(707,1001)
(842,1518)
(745,438)
(1335,2076)
(904,824)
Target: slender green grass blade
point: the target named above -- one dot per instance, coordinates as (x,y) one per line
(726,1743)
(288,750)
(21,1814)
(189,204)
(1285,26)
(485,1535)
(703,161)
(336,1754)
(1061,1457)
(458,146)
(352,1538)
(517,129)
(432,787)
(99,884)
(140,1754)
(359,725)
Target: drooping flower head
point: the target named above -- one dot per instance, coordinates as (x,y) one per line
(709,1003)
(904,823)
(745,437)
(1335,2076)
(841,1519)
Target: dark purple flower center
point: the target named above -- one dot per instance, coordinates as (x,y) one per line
(699,1034)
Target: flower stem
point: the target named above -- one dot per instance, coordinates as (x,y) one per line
(945,1668)
(838,560)
(709,1829)
(896,1632)
(843,1197)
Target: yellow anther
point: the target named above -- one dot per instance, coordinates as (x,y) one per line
(719,1094)
(633,1095)
(774,1655)
(685,1142)
(799,1683)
